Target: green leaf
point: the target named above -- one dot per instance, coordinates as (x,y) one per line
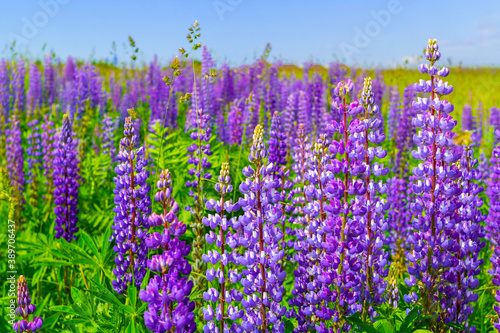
(38,275)
(63,308)
(142,308)
(76,250)
(386,327)
(75,321)
(289,326)
(423,321)
(128,309)
(90,243)
(51,262)
(50,321)
(106,247)
(131,327)
(408,322)
(58,253)
(132,294)
(104,294)
(81,312)
(145,281)
(76,296)
(41,306)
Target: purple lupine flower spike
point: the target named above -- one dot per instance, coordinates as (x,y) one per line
(198,154)
(375,257)
(66,184)
(34,150)
(313,297)
(404,130)
(19,101)
(400,217)
(299,306)
(49,142)
(394,112)
(133,206)
(271,97)
(263,276)
(343,248)
(4,88)
(277,145)
(35,90)
(495,118)
(207,86)
(167,292)
(303,112)
(235,123)
(49,84)
(436,201)
(317,102)
(477,134)
(108,137)
(252,108)
(467,119)
(277,168)
(468,243)
(15,155)
(224,260)
(25,309)
(379,89)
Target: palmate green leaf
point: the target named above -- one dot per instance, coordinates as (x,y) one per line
(90,243)
(128,309)
(76,296)
(104,294)
(76,251)
(82,312)
(60,254)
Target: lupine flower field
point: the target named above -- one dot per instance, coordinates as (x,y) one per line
(195,197)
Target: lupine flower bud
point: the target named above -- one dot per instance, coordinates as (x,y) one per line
(25,309)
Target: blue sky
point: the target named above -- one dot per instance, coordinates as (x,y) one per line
(363,32)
